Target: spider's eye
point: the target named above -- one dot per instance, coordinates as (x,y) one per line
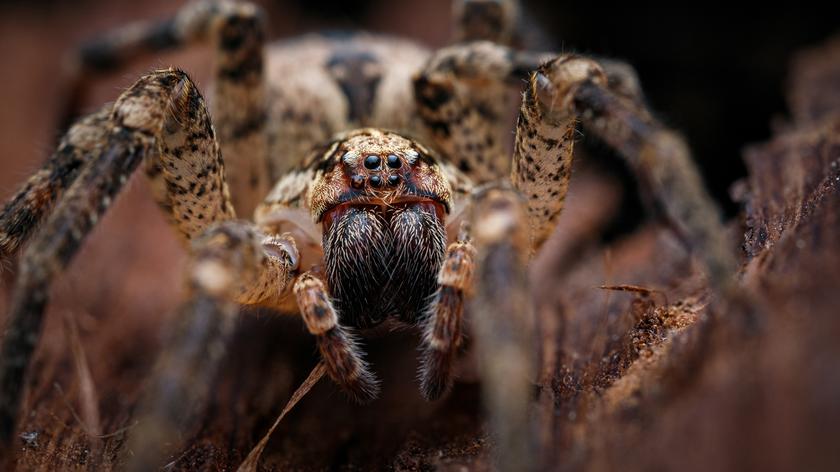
(375,180)
(394,161)
(393,179)
(372,162)
(357,181)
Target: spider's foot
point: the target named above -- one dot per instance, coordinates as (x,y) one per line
(436,372)
(346,367)
(556,81)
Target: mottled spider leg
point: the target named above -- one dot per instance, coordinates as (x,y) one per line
(574,87)
(442,331)
(462,97)
(542,164)
(485,20)
(503,322)
(231,263)
(162,115)
(32,204)
(339,352)
(237,33)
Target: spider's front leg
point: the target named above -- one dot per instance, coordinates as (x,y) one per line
(490,262)
(232,263)
(161,117)
(569,88)
(236,30)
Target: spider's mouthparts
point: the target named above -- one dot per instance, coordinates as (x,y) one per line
(385,206)
(383,263)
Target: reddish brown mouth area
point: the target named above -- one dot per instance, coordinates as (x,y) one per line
(384,208)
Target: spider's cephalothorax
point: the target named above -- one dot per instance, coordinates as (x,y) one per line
(382,200)
(357,233)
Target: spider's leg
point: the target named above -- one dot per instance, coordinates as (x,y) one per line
(462,97)
(162,116)
(622,79)
(492,261)
(338,350)
(442,333)
(32,204)
(487,20)
(231,263)
(503,322)
(542,165)
(236,31)
(572,87)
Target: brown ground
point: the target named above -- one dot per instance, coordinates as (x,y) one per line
(628,382)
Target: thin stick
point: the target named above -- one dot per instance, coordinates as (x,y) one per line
(636,289)
(251,462)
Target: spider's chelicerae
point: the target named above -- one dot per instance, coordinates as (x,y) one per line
(379,182)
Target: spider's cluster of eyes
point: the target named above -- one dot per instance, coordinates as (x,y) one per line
(374,163)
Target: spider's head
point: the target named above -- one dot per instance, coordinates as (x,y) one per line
(382,200)
(377,168)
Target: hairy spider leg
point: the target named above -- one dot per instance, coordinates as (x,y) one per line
(462,97)
(657,154)
(488,20)
(236,30)
(444,323)
(341,355)
(232,263)
(503,322)
(161,117)
(31,205)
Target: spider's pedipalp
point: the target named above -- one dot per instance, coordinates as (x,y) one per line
(339,351)
(161,116)
(444,323)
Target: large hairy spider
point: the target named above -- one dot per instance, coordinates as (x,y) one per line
(379,182)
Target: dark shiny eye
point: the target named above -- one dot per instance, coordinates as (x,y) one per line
(372,162)
(357,181)
(393,179)
(375,180)
(394,162)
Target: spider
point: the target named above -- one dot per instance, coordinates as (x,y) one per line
(380,184)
